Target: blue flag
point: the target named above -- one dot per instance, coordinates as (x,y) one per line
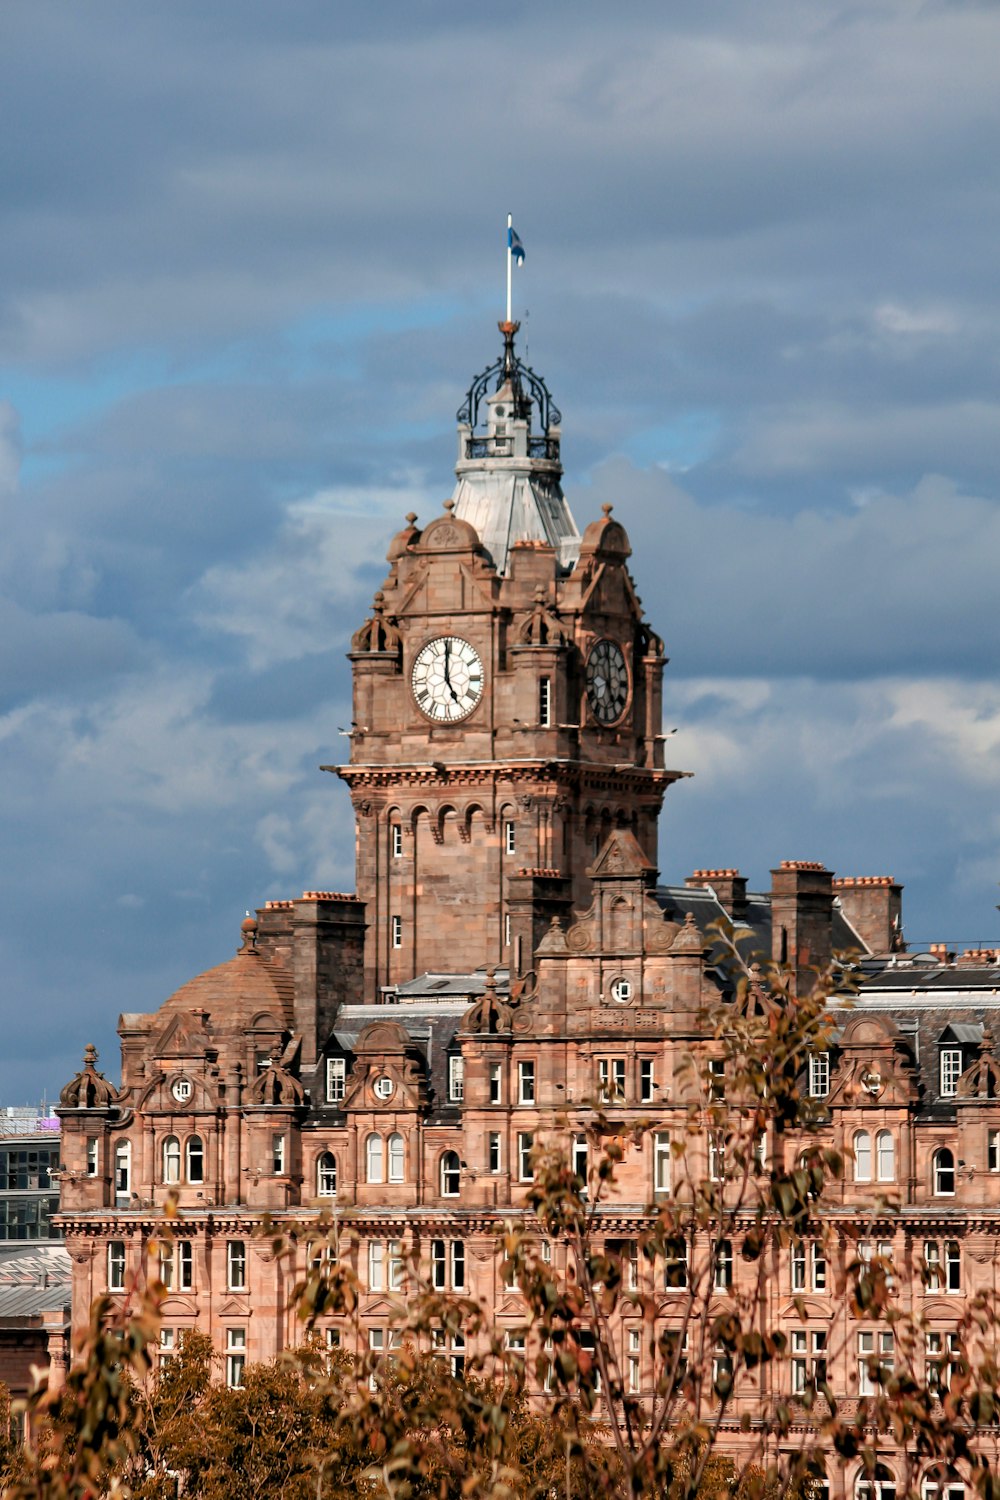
(514,246)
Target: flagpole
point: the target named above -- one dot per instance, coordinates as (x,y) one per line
(510,225)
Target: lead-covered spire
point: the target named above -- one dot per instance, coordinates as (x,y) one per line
(508,468)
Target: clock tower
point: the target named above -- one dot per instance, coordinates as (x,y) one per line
(507,703)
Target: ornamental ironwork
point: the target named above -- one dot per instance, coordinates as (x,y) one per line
(526,387)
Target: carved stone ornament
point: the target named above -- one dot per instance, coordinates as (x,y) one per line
(580,938)
(872,1081)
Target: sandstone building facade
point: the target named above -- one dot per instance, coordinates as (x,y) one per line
(508,958)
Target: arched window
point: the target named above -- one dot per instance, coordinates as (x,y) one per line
(123,1171)
(942,1484)
(875,1484)
(943,1169)
(171,1159)
(451,1173)
(397,1157)
(326,1175)
(373,1158)
(862,1156)
(885,1156)
(195,1163)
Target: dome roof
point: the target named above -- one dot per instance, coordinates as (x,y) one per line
(234,993)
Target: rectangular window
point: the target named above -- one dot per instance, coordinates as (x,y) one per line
(116,1266)
(185,1266)
(376,1348)
(630,1256)
(798,1267)
(92,1156)
(526,1083)
(581,1157)
(611,1079)
(278,1155)
(456,1079)
(167,1266)
(716,1079)
(634,1352)
(376,1266)
(545,702)
(509,838)
(494,1151)
(396,930)
(525,1143)
(951,1070)
(236,1356)
(336,1079)
(953,1265)
(661,1162)
(395,1266)
(716,1155)
(397,840)
(932,1266)
(168,1343)
(506,929)
(871,1347)
(819,1075)
(647,1084)
(236,1265)
(723,1278)
(818,1267)
(496,1083)
(993,1150)
(458,1265)
(675,1265)
(800,1361)
(439,1265)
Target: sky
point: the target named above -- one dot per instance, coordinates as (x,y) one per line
(251,257)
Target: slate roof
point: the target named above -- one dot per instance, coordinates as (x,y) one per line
(32,1282)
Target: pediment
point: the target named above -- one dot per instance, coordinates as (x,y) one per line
(622,856)
(512,1307)
(236,1307)
(179,1307)
(184,1036)
(805,1309)
(379,1307)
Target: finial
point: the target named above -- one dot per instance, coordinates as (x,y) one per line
(248,928)
(449,505)
(378,604)
(90,1056)
(491,979)
(607,507)
(410,517)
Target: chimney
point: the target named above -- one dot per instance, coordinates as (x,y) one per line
(873,904)
(802,916)
(730,888)
(942,953)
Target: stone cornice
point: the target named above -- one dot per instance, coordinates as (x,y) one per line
(557,773)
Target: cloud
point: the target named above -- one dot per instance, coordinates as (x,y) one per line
(250,263)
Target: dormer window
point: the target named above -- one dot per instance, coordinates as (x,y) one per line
(956,1044)
(951,1071)
(336,1079)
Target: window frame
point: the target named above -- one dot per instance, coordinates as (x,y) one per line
(326,1174)
(526,1092)
(336,1079)
(450,1174)
(236,1265)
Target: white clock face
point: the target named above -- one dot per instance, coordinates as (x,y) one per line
(447,679)
(607,681)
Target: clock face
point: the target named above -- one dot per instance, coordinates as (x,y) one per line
(607,681)
(447,679)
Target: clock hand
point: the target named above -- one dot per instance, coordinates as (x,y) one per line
(447,662)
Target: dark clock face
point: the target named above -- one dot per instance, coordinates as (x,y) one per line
(607,681)
(447,679)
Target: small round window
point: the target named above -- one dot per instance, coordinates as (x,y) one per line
(622,991)
(383,1087)
(181,1089)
